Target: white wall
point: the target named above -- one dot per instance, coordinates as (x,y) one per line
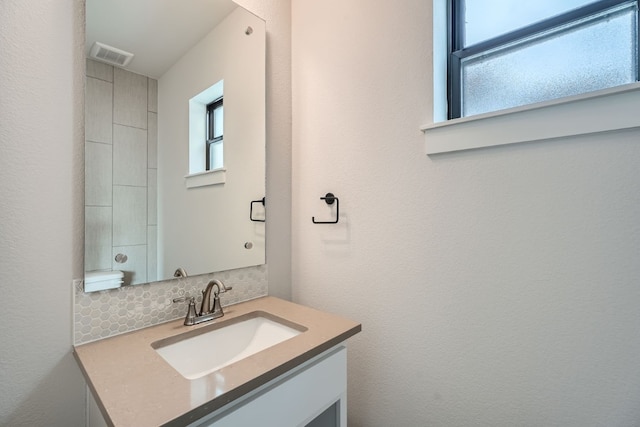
(41,137)
(187,216)
(496,287)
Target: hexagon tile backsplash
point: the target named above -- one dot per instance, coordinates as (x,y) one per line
(106,313)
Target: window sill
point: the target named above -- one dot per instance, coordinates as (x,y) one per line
(595,112)
(203,179)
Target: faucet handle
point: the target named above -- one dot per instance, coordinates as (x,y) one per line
(183,299)
(190,318)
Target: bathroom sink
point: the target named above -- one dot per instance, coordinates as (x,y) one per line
(204,350)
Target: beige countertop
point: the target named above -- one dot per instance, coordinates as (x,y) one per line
(135,386)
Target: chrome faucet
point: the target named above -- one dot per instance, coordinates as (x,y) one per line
(207,311)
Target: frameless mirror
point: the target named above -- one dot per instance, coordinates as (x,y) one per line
(174,139)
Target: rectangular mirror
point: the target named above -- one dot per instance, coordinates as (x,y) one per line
(174,139)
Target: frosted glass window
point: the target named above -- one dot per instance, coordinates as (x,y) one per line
(505,54)
(591,56)
(216,156)
(485,19)
(218,122)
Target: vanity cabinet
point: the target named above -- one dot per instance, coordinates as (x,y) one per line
(298,382)
(312,395)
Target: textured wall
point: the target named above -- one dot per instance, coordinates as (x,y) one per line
(496,287)
(41,117)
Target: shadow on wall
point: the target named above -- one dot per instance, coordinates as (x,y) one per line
(49,403)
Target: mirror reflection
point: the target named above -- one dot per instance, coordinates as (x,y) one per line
(175,140)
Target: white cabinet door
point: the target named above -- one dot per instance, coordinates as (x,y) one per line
(294,399)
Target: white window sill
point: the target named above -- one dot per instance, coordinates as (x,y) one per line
(600,111)
(202,179)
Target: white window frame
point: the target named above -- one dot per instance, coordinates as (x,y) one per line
(594,112)
(198,176)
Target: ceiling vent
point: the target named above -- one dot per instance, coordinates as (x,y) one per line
(110,54)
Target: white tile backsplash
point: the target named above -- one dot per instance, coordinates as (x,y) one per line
(106,313)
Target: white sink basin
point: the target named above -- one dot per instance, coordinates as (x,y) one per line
(205,350)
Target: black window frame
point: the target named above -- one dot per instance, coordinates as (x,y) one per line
(458,52)
(210,126)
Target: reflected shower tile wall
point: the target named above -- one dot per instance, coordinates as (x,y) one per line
(103,314)
(152,196)
(99,114)
(98,176)
(99,70)
(152,253)
(129,215)
(135,267)
(129,156)
(152,140)
(152,101)
(98,234)
(119,107)
(130,98)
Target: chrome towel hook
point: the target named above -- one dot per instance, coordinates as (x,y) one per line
(329,198)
